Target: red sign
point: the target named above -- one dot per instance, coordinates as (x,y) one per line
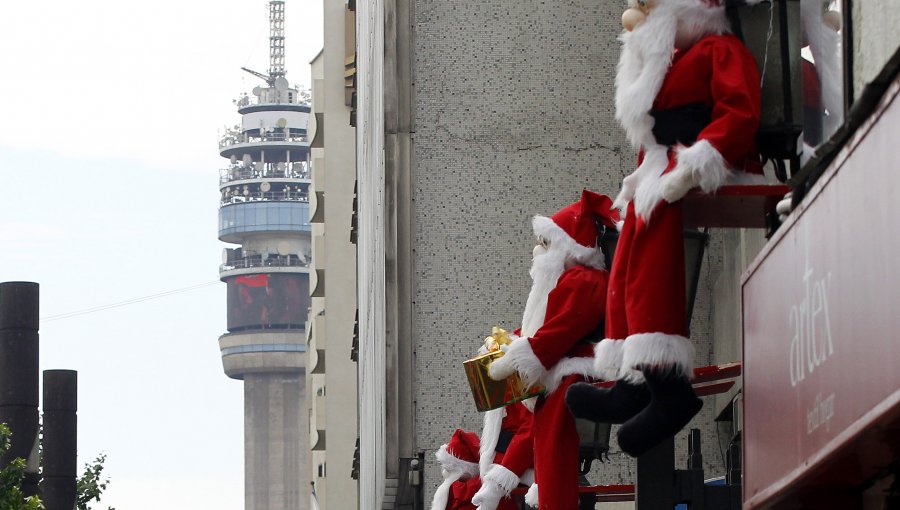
(821,308)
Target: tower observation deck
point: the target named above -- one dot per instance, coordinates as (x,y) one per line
(264,211)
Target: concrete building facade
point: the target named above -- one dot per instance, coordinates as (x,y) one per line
(472,118)
(332,374)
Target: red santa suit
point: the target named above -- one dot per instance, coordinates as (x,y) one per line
(492,465)
(566,304)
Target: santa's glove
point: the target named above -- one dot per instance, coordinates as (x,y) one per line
(503,367)
(496,484)
(675,184)
(531,497)
(700,165)
(629,185)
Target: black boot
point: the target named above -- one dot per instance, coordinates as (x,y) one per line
(671,407)
(607,405)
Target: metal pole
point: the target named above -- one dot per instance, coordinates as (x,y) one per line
(19,310)
(655,489)
(60,439)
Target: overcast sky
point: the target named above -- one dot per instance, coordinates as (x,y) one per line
(109,180)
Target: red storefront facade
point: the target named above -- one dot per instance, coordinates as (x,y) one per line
(821,312)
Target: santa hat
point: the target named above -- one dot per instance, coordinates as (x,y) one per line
(574,228)
(459,460)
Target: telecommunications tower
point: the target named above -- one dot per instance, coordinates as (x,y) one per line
(264,210)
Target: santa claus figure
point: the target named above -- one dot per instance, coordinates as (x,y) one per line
(504,460)
(563,313)
(687,94)
(459,469)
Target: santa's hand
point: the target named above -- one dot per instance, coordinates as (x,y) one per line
(488,496)
(629,185)
(677,183)
(503,367)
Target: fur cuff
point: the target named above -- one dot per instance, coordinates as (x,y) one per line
(454,464)
(656,349)
(524,360)
(503,478)
(608,358)
(531,497)
(583,366)
(588,256)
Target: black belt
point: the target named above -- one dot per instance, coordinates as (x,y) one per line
(681,124)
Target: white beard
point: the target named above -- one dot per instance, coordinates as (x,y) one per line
(545,272)
(646,55)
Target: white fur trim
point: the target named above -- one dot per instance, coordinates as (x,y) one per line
(583,366)
(561,240)
(454,464)
(490,434)
(442,493)
(503,478)
(531,497)
(524,360)
(608,358)
(648,349)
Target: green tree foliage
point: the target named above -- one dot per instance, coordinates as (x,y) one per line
(11,476)
(91,484)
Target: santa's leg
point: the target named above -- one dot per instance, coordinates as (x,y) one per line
(657,349)
(625,399)
(556,445)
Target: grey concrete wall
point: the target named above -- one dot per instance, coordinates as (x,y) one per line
(875,38)
(275,442)
(513,112)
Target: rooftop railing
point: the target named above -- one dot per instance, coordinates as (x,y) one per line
(252,261)
(232,138)
(271,196)
(239,172)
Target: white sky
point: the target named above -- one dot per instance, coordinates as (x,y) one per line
(109,182)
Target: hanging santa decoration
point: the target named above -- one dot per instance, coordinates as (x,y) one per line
(687,94)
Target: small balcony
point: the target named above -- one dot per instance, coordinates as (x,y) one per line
(255,260)
(233,138)
(259,170)
(231,196)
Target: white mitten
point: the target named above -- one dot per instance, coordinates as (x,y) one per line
(531,497)
(677,183)
(488,496)
(497,483)
(502,367)
(629,185)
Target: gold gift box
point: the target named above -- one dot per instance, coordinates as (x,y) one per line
(488,393)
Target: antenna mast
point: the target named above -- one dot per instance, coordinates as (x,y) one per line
(276,39)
